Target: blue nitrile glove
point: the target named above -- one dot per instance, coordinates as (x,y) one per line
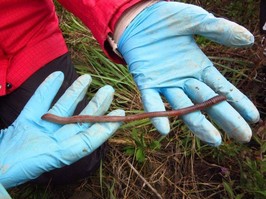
(32,146)
(162,56)
(3,193)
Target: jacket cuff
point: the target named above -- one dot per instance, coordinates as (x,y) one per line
(108,44)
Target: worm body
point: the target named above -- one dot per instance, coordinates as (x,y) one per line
(105,118)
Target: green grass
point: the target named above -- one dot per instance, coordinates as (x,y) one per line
(177,165)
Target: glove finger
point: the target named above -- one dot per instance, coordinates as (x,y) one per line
(101,102)
(67,103)
(98,105)
(223,113)
(195,121)
(41,100)
(3,192)
(87,141)
(214,79)
(152,101)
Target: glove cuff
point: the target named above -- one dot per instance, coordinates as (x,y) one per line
(128,16)
(125,20)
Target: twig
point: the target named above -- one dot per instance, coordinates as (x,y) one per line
(141,177)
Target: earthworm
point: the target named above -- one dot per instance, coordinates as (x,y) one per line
(88,118)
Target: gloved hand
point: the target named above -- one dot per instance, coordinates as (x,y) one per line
(164,59)
(32,146)
(3,193)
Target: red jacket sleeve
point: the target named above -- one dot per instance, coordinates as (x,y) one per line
(97,16)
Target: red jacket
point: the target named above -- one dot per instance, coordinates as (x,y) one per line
(30,36)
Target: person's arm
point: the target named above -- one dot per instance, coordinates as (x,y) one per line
(98,16)
(158,46)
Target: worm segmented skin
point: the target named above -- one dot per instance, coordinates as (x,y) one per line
(105,118)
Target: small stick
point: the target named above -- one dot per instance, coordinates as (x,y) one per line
(89,118)
(144,180)
(139,175)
